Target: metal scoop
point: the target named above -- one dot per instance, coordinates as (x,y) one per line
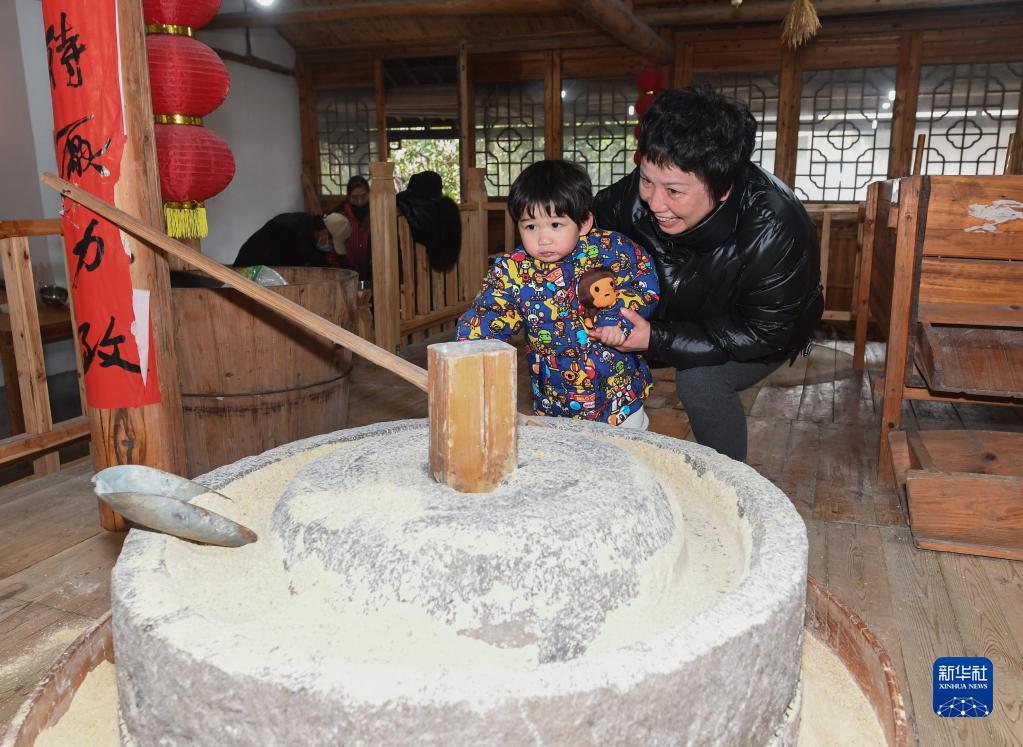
(160,500)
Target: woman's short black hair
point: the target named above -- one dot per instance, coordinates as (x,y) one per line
(355,182)
(702,132)
(560,187)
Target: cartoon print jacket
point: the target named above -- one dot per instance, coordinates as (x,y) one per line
(572,375)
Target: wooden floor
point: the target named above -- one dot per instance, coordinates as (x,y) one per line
(813,432)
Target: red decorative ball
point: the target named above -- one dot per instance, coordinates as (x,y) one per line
(195,163)
(651,79)
(193,13)
(636,158)
(643,103)
(186,76)
(638,131)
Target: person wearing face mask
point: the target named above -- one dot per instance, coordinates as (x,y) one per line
(358,254)
(736,253)
(292,239)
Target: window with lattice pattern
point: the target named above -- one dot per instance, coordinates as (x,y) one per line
(509,131)
(346,123)
(759,91)
(967,112)
(598,126)
(845,119)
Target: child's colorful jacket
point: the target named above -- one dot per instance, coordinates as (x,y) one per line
(573,375)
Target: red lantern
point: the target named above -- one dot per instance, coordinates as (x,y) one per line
(188,81)
(643,103)
(186,76)
(189,13)
(651,79)
(195,164)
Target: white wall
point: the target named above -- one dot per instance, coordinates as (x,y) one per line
(259,120)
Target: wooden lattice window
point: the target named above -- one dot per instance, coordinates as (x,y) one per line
(845,121)
(346,123)
(967,113)
(759,91)
(599,122)
(509,131)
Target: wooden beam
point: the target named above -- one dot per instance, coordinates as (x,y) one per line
(466,121)
(552,105)
(618,20)
(383,218)
(383,152)
(689,14)
(682,70)
(382,9)
(256,62)
(791,87)
(27,445)
(473,414)
(907,86)
(44,227)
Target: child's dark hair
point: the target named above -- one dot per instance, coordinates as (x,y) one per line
(702,132)
(560,187)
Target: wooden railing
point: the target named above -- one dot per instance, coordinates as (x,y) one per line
(840,246)
(42,437)
(426,302)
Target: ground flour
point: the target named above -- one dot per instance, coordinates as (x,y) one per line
(91,718)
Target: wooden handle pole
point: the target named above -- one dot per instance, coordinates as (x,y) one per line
(298,314)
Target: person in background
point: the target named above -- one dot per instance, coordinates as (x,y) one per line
(358,255)
(290,239)
(434,219)
(736,253)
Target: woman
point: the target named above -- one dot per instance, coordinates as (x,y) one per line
(737,256)
(357,247)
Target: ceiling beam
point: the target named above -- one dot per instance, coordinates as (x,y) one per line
(685,14)
(296,15)
(618,20)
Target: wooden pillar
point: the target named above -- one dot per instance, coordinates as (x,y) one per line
(472,413)
(383,226)
(788,115)
(466,122)
(682,73)
(150,435)
(383,152)
(907,88)
(28,346)
(311,186)
(476,266)
(552,124)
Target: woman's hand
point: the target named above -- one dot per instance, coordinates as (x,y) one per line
(614,337)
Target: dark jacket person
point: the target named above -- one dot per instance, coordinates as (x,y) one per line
(434,219)
(736,253)
(288,239)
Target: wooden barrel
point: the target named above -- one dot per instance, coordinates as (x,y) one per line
(252,380)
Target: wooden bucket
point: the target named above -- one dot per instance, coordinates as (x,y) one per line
(252,380)
(827,618)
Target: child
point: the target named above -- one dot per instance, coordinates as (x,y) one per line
(538,285)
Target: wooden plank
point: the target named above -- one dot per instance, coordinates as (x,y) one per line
(43,227)
(817,401)
(927,629)
(406,248)
(978,361)
(434,318)
(682,69)
(992,515)
(25,445)
(844,490)
(472,414)
(466,119)
(875,221)
(975,216)
(28,346)
(799,476)
(617,20)
(971,281)
(825,249)
(853,403)
(308,130)
(977,314)
(380,97)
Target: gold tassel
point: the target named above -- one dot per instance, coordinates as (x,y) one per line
(801,23)
(186,220)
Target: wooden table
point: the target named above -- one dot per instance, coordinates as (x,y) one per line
(54,324)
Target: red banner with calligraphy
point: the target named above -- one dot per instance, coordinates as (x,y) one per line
(114,326)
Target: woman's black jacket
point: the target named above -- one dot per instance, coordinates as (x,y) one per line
(742,285)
